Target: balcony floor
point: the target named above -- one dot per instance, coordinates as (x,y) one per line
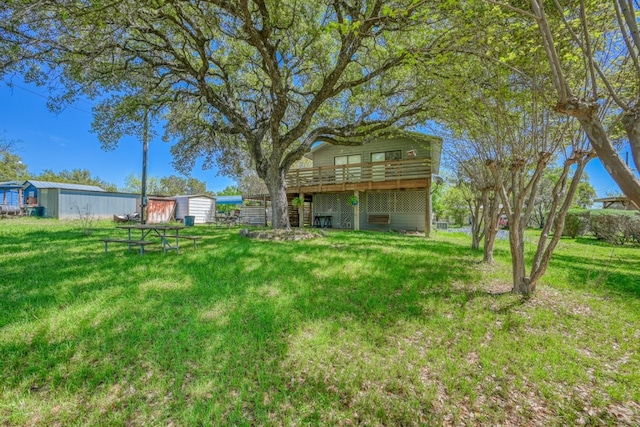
(400,184)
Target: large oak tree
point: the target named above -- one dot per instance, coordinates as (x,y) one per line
(264,77)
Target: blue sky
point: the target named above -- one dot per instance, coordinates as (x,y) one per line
(65,141)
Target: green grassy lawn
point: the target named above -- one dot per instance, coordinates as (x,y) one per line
(352,328)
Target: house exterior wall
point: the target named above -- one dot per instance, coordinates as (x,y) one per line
(97,204)
(406,209)
(326,155)
(406,206)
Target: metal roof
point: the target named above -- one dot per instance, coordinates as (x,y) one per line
(228,200)
(10,184)
(62,185)
(190,196)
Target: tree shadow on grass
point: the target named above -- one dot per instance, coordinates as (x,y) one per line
(203,329)
(602,273)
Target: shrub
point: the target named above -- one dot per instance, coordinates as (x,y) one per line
(576,223)
(616,227)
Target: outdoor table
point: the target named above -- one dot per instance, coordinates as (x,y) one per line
(158,230)
(322,221)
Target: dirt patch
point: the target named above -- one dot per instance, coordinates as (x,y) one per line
(281,235)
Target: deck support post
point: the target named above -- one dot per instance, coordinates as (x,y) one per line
(301,212)
(356,212)
(427,210)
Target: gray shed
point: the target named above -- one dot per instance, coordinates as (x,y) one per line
(70,201)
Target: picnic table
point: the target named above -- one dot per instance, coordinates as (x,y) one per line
(169,241)
(228,219)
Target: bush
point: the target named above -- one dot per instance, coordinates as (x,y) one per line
(576,223)
(616,227)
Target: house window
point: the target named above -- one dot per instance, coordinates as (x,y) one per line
(344,174)
(379,172)
(386,156)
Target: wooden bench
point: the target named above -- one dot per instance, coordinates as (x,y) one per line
(193,238)
(379,219)
(141,243)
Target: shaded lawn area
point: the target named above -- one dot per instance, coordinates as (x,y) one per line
(354,328)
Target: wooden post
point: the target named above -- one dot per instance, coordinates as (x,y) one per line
(356,212)
(427,211)
(301,211)
(145,148)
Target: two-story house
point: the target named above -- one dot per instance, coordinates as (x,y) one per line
(382,185)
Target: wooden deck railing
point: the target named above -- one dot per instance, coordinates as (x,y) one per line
(395,170)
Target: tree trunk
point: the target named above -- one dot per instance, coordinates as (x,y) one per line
(491,216)
(475,236)
(489,244)
(587,115)
(275,180)
(631,122)
(477,223)
(521,283)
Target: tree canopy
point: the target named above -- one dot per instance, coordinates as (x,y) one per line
(263,77)
(174,185)
(11,166)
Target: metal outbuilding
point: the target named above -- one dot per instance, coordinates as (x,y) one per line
(201,206)
(160,209)
(70,201)
(10,197)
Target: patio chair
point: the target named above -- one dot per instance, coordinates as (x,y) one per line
(233,218)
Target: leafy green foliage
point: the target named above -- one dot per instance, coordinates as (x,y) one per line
(576,223)
(174,185)
(616,227)
(133,184)
(455,203)
(229,190)
(253,83)
(610,225)
(586,194)
(11,167)
(584,197)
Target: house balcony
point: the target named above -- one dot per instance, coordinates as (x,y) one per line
(387,175)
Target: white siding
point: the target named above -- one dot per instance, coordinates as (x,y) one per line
(203,208)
